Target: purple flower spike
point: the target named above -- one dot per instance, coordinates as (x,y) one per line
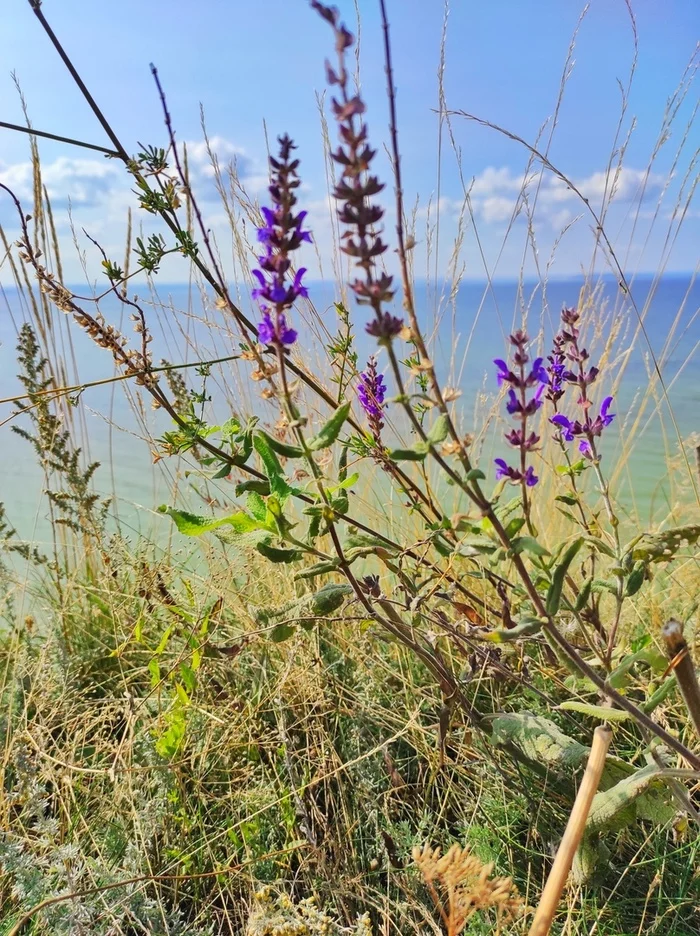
(281,233)
(297,287)
(521,403)
(371,390)
(503,470)
(513,404)
(585,431)
(385,327)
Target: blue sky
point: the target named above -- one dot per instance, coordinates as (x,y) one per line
(247,61)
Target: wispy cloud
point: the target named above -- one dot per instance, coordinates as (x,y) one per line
(91,182)
(498,194)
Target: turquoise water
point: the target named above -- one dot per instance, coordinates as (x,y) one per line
(468,331)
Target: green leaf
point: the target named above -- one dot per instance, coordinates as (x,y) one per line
(539,739)
(600,546)
(258,487)
(660,695)
(475,546)
(476,474)
(526,627)
(281,448)
(443,546)
(567,499)
(345,483)
(331,430)
(599,712)
(343,463)
(359,540)
(584,595)
(241,456)
(412,454)
(257,506)
(329,598)
(282,632)
(194,525)
(439,430)
(529,544)
(278,553)
(273,469)
(223,472)
(171,739)
(555,589)
(514,526)
(635,579)
(661,547)
(319,568)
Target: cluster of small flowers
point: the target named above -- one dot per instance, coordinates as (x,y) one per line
(370,393)
(568,364)
(281,234)
(582,375)
(521,404)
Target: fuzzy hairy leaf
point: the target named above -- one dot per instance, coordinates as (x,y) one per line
(558,576)
(331,430)
(281,448)
(661,547)
(278,553)
(193,525)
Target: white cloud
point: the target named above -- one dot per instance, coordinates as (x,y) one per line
(97,181)
(85,181)
(497,193)
(224,151)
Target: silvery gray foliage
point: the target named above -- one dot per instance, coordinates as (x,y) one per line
(39,866)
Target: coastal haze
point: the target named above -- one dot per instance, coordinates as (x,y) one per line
(116,425)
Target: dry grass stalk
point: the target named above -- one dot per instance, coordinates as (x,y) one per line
(572,834)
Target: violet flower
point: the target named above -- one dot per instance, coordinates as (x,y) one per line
(281,234)
(582,375)
(504,470)
(522,404)
(590,428)
(370,392)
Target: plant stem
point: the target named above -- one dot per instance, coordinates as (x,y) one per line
(682,663)
(573,834)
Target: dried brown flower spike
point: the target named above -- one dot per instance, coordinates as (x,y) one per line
(460,884)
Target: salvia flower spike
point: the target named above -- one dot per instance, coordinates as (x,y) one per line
(522,376)
(580,373)
(280,235)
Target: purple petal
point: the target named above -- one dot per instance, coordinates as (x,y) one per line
(266,330)
(566,426)
(503,371)
(269,216)
(604,415)
(298,288)
(513,403)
